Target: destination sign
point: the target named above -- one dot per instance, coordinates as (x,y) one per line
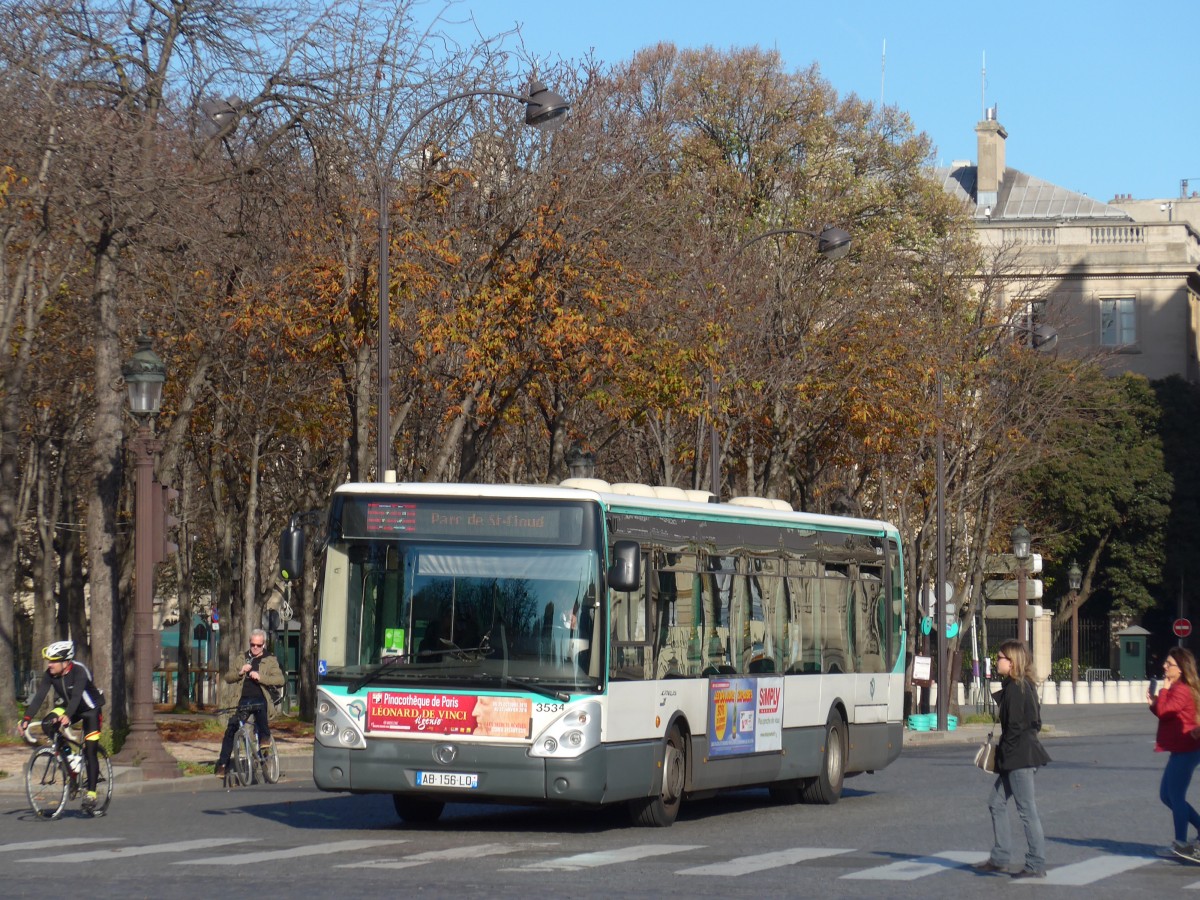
(463,520)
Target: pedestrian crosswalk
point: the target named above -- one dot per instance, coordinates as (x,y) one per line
(531,857)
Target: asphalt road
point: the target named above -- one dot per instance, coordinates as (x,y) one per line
(909,831)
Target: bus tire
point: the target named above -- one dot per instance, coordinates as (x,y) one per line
(826,788)
(660,811)
(416,811)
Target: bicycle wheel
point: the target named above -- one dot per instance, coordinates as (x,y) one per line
(243,757)
(270,764)
(46,782)
(104,781)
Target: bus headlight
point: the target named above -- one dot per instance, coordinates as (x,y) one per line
(572,734)
(334,727)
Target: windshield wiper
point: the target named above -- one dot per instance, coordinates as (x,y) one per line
(529,685)
(374,673)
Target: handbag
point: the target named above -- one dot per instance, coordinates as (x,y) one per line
(985,756)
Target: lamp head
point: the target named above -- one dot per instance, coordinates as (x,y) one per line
(545,109)
(1074,576)
(1020,542)
(144,375)
(1043,338)
(580,464)
(833,243)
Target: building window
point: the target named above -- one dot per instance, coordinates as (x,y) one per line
(1118,322)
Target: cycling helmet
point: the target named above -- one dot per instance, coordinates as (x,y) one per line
(50,724)
(59,651)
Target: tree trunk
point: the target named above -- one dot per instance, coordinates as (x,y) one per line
(108,652)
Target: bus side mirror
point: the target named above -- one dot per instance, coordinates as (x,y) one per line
(623,574)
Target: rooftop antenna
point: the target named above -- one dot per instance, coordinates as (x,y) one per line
(983,86)
(882,73)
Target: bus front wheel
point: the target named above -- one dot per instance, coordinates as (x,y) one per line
(826,788)
(416,811)
(660,811)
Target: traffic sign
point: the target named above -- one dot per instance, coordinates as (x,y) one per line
(1182,627)
(1007,590)
(1006,564)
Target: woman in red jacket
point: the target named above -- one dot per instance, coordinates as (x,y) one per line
(1175,704)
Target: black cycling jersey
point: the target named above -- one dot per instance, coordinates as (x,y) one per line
(74,690)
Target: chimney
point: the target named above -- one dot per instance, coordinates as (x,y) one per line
(990,171)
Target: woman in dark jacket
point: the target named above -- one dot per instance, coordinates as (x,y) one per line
(1018,757)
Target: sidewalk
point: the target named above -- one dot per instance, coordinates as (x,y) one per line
(295,759)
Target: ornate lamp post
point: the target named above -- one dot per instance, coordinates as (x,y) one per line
(1020,549)
(144,375)
(544,110)
(1075,581)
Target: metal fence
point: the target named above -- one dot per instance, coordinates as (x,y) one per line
(1095,653)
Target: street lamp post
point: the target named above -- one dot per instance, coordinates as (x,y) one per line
(833,244)
(544,109)
(144,375)
(1075,581)
(1020,549)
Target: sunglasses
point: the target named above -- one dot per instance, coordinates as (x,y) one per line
(255,645)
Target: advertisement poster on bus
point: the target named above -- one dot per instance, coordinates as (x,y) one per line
(745,715)
(406,712)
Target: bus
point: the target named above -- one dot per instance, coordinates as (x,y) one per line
(589,644)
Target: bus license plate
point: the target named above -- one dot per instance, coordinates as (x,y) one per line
(447,779)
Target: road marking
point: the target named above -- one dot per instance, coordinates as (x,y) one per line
(421,859)
(920,866)
(123,852)
(242,859)
(607,857)
(746,865)
(1092,870)
(53,842)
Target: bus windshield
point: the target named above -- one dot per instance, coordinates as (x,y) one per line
(478,615)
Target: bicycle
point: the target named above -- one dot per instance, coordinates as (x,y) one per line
(248,762)
(55,774)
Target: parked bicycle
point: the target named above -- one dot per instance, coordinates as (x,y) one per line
(55,774)
(249,764)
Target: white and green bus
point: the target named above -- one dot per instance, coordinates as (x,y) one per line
(589,644)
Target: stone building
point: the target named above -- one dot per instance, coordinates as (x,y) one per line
(1121,278)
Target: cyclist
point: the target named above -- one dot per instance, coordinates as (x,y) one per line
(259,669)
(78,701)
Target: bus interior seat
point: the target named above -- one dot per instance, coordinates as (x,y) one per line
(762,666)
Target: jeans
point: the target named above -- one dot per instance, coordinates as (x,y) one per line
(1017,784)
(259,710)
(1172,791)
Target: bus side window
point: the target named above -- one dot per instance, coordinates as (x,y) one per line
(835,604)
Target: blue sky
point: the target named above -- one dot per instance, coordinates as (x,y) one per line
(1097,97)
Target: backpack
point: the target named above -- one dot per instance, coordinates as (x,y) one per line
(275,698)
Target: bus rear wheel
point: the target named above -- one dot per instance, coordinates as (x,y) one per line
(660,811)
(826,788)
(416,811)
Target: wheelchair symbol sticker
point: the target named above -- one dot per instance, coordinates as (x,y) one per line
(322,667)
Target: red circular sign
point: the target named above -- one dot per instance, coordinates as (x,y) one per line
(1182,628)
